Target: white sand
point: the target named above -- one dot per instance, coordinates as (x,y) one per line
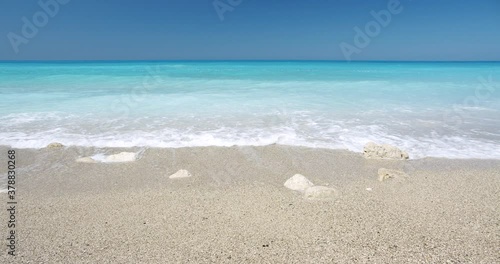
(236,209)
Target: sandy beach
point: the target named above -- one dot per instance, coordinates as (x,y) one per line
(234,208)
(229,131)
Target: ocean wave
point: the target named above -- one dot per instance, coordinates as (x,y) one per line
(336,137)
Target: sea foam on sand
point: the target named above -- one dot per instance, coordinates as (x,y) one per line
(113,158)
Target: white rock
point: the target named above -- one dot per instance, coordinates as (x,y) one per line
(369,189)
(320,193)
(121,157)
(374,151)
(298,183)
(384,174)
(180,174)
(86,160)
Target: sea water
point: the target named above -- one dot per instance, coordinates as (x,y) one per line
(434,109)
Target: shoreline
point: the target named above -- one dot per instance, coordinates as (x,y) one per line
(86,149)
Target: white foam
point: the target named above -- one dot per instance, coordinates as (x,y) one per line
(351,139)
(100,157)
(115,158)
(421,135)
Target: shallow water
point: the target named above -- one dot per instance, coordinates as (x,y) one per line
(430,109)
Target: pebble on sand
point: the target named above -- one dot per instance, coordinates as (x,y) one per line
(320,193)
(121,157)
(374,151)
(385,174)
(298,183)
(54,145)
(180,174)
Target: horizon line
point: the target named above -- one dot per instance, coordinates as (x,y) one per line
(242,60)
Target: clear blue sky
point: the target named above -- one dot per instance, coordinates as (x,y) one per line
(255,29)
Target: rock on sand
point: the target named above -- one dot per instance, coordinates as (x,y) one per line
(180,174)
(374,151)
(298,183)
(54,145)
(384,174)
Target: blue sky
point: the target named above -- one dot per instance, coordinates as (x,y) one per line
(254,29)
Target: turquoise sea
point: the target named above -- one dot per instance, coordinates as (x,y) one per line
(429,109)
